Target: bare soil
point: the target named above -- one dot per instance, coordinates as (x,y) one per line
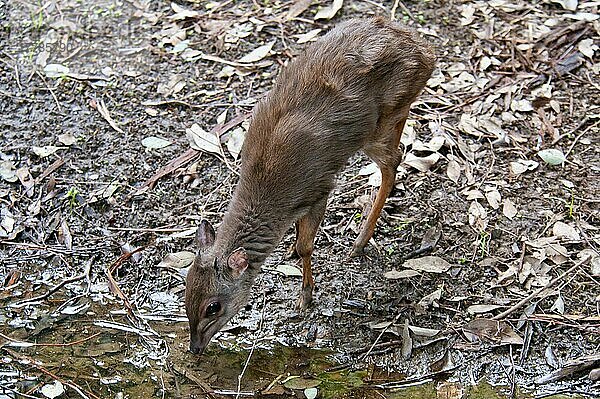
(87,302)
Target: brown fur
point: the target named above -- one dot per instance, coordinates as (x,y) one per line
(348,91)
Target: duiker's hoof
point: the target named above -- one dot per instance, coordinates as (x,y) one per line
(357,252)
(305,299)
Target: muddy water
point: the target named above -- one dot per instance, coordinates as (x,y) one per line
(109,365)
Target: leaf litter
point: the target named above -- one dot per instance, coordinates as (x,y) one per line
(486,150)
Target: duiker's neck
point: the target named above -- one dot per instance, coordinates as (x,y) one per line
(252,224)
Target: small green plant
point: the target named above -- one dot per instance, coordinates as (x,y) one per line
(571,205)
(358,216)
(72,197)
(462,261)
(483,241)
(402,225)
(37,21)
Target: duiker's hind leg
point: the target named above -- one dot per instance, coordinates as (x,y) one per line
(387,156)
(306,230)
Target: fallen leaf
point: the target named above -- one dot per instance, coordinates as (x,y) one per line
(469,125)
(56,70)
(301,383)
(422,164)
(551,358)
(493,198)
(563,230)
(7,171)
(477,309)
(433,145)
(67,139)
(521,166)
(53,390)
(202,140)
(552,156)
(308,36)
(45,151)
(559,305)
(400,274)
(587,47)
(453,171)
(329,12)
(429,264)
(570,5)
(178,260)
(297,8)
(182,13)
(477,216)
(155,143)
(375,179)
(311,393)
(289,271)
(235,141)
(497,332)
(424,332)
(257,54)
(521,105)
(407,341)
(428,300)
(368,169)
(508,208)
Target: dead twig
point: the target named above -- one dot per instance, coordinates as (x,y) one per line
(28,344)
(260,326)
(580,135)
(57,287)
(534,294)
(103,110)
(82,392)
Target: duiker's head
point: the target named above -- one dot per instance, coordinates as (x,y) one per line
(216,288)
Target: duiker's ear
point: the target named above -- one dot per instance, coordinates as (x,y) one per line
(238,262)
(205,235)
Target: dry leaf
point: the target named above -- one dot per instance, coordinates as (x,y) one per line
(477,216)
(178,260)
(453,171)
(477,309)
(257,54)
(422,164)
(400,274)
(522,166)
(235,141)
(182,13)
(53,390)
(493,198)
(508,208)
(56,70)
(308,36)
(297,8)
(521,105)
(288,270)
(155,143)
(552,156)
(497,332)
(329,12)
(202,140)
(469,125)
(45,151)
(7,171)
(429,264)
(563,230)
(67,139)
(587,47)
(429,300)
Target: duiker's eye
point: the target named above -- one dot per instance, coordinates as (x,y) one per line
(213,308)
